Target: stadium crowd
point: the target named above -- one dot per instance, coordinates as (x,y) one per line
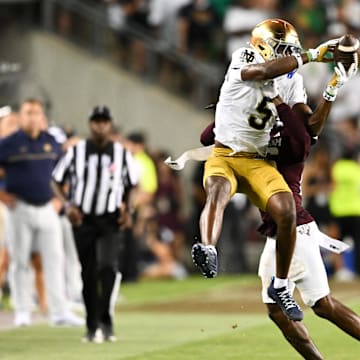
(210,30)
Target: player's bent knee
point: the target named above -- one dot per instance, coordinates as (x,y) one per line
(324,307)
(281,207)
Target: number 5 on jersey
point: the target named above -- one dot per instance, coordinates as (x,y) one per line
(263,115)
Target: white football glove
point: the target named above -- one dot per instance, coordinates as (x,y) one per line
(270,89)
(318,54)
(198,154)
(340,77)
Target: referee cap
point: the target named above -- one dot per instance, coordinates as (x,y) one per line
(100,112)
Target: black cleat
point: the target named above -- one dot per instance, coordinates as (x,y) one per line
(205,258)
(285,301)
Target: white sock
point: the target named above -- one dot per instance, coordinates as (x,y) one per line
(279,283)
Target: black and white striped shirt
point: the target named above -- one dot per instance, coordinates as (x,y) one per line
(98,178)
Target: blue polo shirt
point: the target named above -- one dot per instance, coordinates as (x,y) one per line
(28,165)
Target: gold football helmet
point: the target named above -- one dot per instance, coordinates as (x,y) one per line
(274,38)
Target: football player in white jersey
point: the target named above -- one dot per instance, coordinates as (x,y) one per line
(244,117)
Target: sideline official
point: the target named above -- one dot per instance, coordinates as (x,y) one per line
(101,174)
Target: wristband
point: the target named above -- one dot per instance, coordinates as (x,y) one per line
(330,93)
(312,54)
(308,55)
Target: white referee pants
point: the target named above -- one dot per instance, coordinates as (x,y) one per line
(41,223)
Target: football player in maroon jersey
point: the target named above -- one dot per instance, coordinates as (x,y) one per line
(289,147)
(307,270)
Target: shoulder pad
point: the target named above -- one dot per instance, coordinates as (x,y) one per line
(245,56)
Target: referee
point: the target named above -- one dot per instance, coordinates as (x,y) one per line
(101,174)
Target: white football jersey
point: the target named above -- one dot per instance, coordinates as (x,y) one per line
(244,117)
(291,89)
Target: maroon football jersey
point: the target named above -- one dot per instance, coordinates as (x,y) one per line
(289,147)
(207,136)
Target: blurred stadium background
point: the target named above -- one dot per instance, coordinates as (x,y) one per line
(157,64)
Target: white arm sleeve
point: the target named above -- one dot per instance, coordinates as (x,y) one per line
(197,154)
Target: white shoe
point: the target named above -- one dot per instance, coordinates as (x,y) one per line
(96,337)
(108,333)
(67,319)
(22,318)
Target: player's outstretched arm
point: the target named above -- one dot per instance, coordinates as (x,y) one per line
(198,154)
(284,65)
(317,120)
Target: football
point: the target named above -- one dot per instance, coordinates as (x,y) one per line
(346,51)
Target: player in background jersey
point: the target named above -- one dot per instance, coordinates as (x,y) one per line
(243,120)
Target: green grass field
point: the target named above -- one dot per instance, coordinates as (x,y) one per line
(194,319)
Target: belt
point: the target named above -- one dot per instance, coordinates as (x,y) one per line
(36,203)
(250,155)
